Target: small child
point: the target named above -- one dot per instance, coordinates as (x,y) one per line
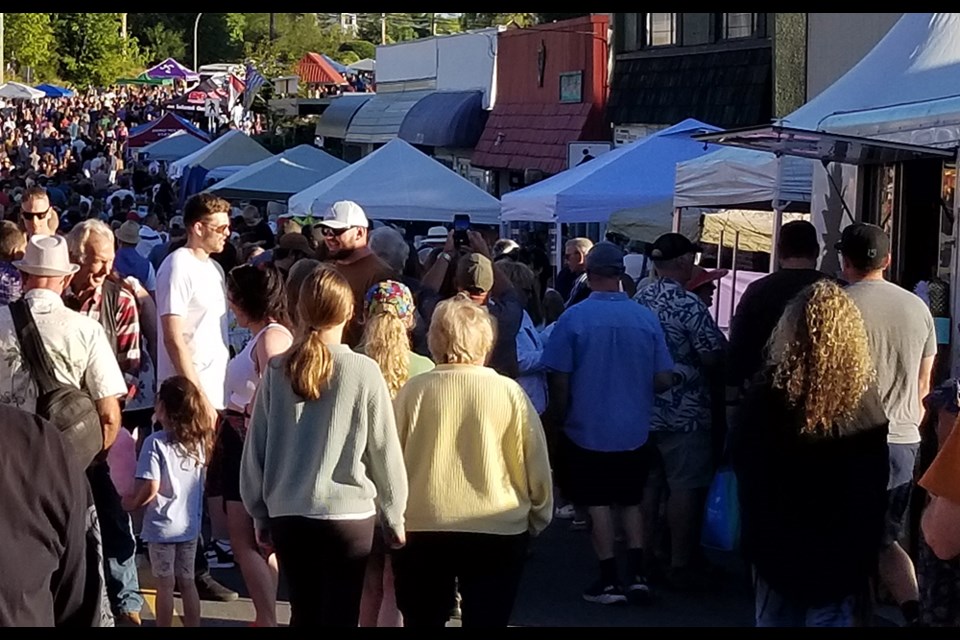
(13,242)
(170,476)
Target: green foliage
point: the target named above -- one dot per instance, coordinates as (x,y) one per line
(362,48)
(29,39)
(91,50)
(481,20)
(346,57)
(162,42)
(297,34)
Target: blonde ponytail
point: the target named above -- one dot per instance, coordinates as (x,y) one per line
(385,339)
(325,301)
(309,366)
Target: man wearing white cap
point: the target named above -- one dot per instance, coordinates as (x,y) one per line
(346,230)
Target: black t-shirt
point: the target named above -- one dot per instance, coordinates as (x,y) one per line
(757,315)
(50,556)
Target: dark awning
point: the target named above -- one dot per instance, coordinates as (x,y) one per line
(453,119)
(822,146)
(337,116)
(378,120)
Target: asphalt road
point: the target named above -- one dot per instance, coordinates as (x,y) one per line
(560,566)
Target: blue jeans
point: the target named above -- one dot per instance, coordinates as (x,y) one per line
(119,545)
(776,610)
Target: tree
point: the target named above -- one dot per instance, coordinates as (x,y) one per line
(91,50)
(362,48)
(482,20)
(162,42)
(30,41)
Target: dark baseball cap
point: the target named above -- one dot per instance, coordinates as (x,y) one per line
(864,245)
(605,256)
(670,246)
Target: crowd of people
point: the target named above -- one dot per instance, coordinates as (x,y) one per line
(391,427)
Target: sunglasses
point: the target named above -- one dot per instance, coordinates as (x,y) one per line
(223,228)
(30,215)
(333,233)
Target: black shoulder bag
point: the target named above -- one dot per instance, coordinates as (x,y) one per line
(71,410)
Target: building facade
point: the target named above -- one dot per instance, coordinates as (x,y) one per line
(552,88)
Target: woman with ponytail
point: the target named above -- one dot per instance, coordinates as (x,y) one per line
(389,317)
(321,457)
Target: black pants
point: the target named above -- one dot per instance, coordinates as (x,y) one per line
(487,568)
(324,562)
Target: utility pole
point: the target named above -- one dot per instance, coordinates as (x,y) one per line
(123,26)
(383,28)
(433,24)
(273,27)
(196,25)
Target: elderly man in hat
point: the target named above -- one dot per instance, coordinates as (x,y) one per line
(128,261)
(81,356)
(608,358)
(683,416)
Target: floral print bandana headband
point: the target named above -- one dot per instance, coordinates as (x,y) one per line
(391,297)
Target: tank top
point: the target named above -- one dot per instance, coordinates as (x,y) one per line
(242,376)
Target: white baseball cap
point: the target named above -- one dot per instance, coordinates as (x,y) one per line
(343,215)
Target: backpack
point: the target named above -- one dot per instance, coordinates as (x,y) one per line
(68,408)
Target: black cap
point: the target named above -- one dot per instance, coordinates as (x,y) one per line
(865,246)
(670,246)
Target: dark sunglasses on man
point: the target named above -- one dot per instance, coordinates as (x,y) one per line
(31,215)
(333,233)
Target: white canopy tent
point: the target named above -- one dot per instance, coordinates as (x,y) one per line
(177,145)
(232,148)
(281,176)
(638,177)
(398,182)
(366,64)
(17,91)
(901,88)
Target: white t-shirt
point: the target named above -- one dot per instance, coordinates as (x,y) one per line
(194,290)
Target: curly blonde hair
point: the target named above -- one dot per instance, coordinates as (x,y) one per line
(821,357)
(386,340)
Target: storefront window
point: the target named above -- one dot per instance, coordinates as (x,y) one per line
(738,25)
(661,29)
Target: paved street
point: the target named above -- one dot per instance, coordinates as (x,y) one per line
(560,566)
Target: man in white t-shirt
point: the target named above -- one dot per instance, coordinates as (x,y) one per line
(192,325)
(192,304)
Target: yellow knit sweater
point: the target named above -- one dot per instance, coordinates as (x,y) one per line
(475,453)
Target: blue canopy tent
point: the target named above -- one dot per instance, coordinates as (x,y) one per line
(636,179)
(340,68)
(53,91)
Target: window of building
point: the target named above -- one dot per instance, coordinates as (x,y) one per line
(661,29)
(739,25)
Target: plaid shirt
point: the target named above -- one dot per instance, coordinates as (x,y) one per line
(128,329)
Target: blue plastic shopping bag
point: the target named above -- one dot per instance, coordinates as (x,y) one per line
(721,519)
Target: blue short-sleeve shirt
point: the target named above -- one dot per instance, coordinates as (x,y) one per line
(612,348)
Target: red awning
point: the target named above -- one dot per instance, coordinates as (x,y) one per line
(530,136)
(313,69)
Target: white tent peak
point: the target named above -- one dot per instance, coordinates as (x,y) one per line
(17,91)
(399,182)
(232,148)
(280,176)
(636,179)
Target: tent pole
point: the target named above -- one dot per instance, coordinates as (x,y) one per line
(558,249)
(733,279)
(676,219)
(719,293)
(777,216)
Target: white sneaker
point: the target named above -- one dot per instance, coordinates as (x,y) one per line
(566,512)
(220,555)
